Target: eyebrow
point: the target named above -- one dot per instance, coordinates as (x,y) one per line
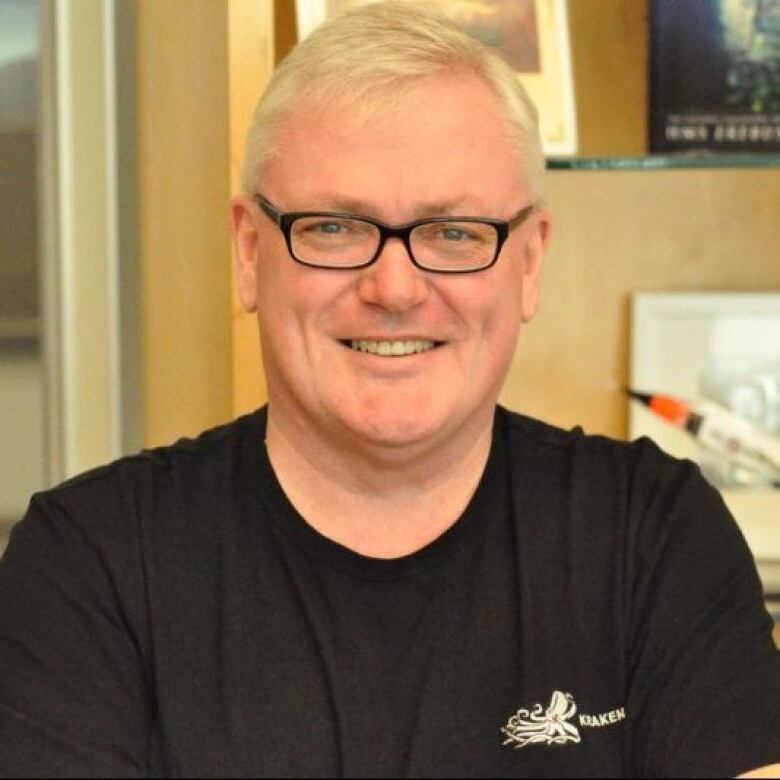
(455,206)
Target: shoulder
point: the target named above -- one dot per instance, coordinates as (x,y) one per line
(587,456)
(604,486)
(160,481)
(105,539)
(199,454)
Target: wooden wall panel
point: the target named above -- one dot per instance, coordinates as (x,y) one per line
(609,59)
(251,55)
(183,193)
(285,28)
(616,233)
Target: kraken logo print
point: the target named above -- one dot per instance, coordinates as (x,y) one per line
(543,726)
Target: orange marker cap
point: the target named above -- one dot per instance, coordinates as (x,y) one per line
(671,409)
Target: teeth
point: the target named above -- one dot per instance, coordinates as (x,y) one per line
(391,348)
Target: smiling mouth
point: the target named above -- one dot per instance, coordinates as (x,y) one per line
(391,348)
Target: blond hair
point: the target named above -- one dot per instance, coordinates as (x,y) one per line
(370,55)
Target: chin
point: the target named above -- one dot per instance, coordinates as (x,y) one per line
(397,433)
(394,424)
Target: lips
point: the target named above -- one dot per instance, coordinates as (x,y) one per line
(391,348)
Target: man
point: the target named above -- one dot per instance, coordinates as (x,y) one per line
(381,574)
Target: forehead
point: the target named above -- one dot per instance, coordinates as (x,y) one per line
(443,141)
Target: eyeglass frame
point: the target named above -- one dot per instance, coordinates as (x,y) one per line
(284,221)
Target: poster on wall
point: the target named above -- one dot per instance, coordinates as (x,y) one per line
(715,75)
(531,35)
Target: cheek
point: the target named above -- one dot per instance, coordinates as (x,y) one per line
(497,322)
(278,284)
(269,277)
(295,303)
(277,306)
(492,309)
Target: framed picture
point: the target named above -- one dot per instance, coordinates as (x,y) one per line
(714,68)
(532,35)
(724,347)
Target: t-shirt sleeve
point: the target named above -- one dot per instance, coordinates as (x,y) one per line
(73,698)
(704,671)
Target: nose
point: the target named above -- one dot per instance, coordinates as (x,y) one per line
(393,281)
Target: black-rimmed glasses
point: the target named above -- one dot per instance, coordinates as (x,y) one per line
(453,245)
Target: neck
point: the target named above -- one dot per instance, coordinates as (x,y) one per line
(379,501)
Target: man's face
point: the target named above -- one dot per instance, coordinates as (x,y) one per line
(441,152)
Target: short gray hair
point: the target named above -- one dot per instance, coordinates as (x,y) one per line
(370,53)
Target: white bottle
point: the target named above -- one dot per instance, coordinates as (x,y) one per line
(721,431)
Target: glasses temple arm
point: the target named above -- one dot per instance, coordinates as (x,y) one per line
(521,216)
(268,209)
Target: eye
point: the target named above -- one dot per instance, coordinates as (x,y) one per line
(462,233)
(453,234)
(327,227)
(332,228)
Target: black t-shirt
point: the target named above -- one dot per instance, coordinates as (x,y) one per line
(594,612)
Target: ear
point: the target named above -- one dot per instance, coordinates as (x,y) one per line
(533,259)
(245,246)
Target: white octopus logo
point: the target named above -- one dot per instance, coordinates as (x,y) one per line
(548,726)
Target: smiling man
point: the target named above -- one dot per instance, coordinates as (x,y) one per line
(382,573)
(385,351)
